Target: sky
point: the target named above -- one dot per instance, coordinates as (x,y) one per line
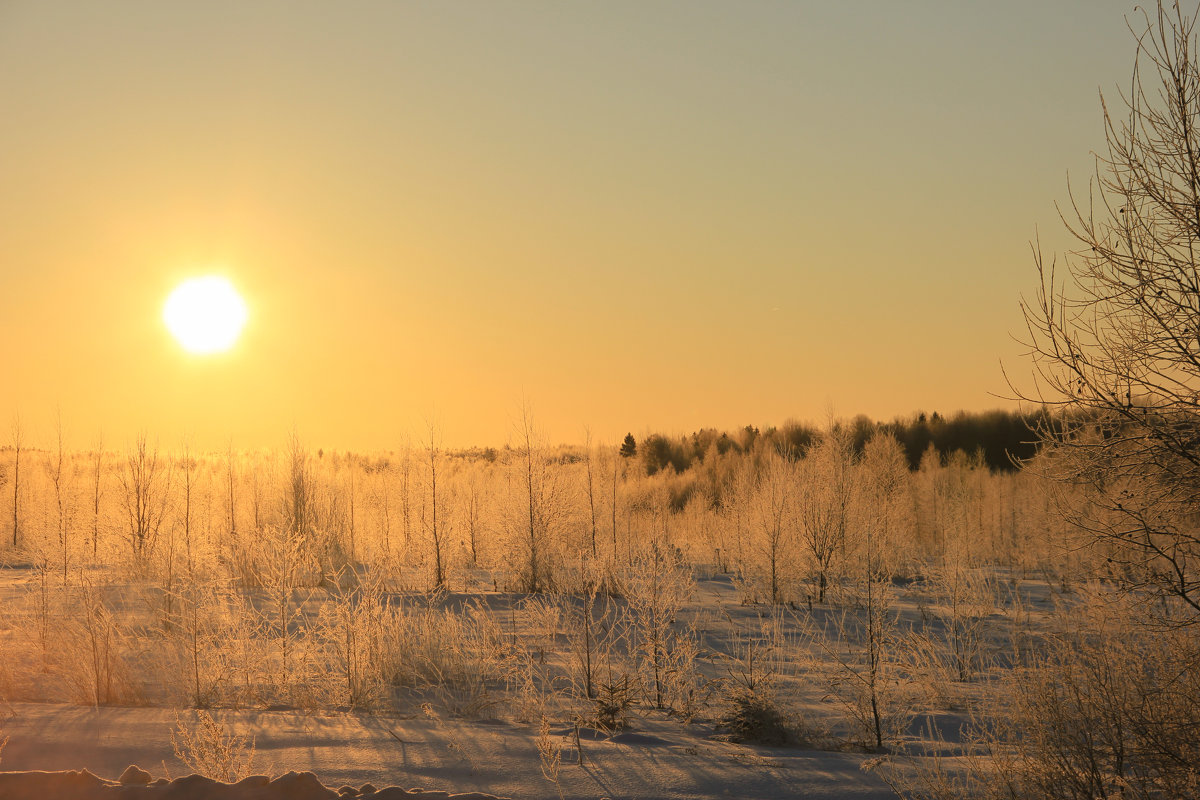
(628,216)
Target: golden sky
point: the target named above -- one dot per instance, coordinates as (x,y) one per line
(634,215)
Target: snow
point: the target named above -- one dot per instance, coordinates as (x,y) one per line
(661,760)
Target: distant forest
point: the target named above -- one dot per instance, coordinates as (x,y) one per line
(996,439)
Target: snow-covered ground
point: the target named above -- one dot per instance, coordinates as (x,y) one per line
(662,759)
(815,656)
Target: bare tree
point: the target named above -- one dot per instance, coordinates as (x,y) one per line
(738,500)
(658,584)
(1113,333)
(299,496)
(586,646)
(1106,706)
(101,666)
(773,511)
(406,493)
(541,509)
(97,491)
(230,474)
(436,530)
(282,573)
(188,463)
(618,473)
(256,496)
(886,485)
(59,472)
(827,487)
(474,501)
(591,485)
(145,486)
(532,470)
(352,468)
(381,495)
(3,476)
(17,442)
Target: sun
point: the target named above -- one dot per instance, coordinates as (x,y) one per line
(205,315)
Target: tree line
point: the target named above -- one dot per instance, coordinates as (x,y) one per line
(998,439)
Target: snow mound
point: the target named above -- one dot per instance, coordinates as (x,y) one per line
(134,783)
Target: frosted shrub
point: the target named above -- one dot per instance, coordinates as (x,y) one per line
(351,625)
(212,749)
(965,597)
(197,636)
(459,655)
(97,671)
(1110,709)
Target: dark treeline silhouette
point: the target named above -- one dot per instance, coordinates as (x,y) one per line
(1002,438)
(999,439)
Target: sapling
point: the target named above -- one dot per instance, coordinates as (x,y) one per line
(406,495)
(772,508)
(17,442)
(59,471)
(145,484)
(256,498)
(755,666)
(869,679)
(188,465)
(352,469)
(533,482)
(100,628)
(230,500)
(474,502)
(549,753)
(436,533)
(657,586)
(589,645)
(591,487)
(351,625)
(97,491)
(205,627)
(41,566)
(618,467)
(827,480)
(280,578)
(381,496)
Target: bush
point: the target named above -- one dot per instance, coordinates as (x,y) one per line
(755,718)
(212,749)
(1110,710)
(1107,707)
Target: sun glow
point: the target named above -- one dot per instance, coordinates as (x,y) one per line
(205,315)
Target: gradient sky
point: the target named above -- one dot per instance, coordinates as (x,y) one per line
(636,215)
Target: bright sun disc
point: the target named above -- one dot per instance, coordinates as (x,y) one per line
(205,315)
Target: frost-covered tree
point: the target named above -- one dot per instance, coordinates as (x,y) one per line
(1114,329)
(827,490)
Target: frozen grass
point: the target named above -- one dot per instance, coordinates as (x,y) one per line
(309,585)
